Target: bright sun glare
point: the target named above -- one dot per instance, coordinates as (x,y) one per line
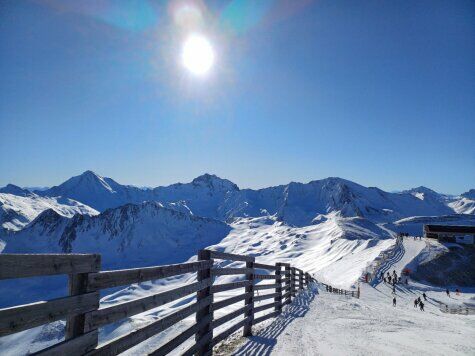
(197,54)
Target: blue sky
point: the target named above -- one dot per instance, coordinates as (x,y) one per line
(378,92)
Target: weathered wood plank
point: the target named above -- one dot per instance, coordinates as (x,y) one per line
(180,339)
(108,279)
(230,271)
(266,276)
(265,317)
(230,256)
(75,325)
(229,286)
(125,342)
(265,296)
(264,307)
(217,339)
(31,265)
(229,301)
(264,266)
(249,315)
(73,347)
(265,286)
(28,316)
(288,283)
(204,334)
(217,322)
(278,289)
(124,310)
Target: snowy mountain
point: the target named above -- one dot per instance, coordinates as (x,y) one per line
(98,192)
(19,207)
(204,195)
(130,235)
(427,194)
(300,204)
(295,203)
(15,190)
(469,195)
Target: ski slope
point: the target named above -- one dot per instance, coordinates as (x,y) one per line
(337,325)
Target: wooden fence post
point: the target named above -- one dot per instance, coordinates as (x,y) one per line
(278,289)
(292,281)
(247,331)
(205,334)
(78,284)
(288,284)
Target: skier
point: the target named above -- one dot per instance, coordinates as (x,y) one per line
(419,300)
(457,291)
(421,305)
(425,296)
(389,279)
(447,292)
(416,302)
(394,289)
(384,279)
(394,301)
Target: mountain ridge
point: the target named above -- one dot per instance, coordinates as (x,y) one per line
(294,203)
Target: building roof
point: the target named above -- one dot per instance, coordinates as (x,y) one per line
(450,228)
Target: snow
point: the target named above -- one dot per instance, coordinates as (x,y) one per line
(132,235)
(335,325)
(463,205)
(17,211)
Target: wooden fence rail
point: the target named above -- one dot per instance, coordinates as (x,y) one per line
(273,285)
(352,293)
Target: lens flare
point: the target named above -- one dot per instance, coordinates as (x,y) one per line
(197,54)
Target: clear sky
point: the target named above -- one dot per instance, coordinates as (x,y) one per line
(378,92)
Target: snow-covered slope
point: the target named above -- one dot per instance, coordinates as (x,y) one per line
(20,207)
(414,225)
(129,236)
(463,205)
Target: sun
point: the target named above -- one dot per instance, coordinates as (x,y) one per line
(197,54)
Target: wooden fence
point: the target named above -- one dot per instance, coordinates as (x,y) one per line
(352,293)
(84,316)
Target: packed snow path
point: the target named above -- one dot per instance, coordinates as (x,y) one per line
(329,324)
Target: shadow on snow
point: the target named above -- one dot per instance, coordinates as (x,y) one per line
(264,341)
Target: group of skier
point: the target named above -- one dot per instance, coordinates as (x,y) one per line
(418,302)
(393,279)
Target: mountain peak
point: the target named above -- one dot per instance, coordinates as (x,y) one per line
(213,181)
(470,194)
(15,190)
(422,189)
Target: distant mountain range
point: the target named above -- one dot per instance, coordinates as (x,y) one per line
(296,204)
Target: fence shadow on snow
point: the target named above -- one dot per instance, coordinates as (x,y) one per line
(263,342)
